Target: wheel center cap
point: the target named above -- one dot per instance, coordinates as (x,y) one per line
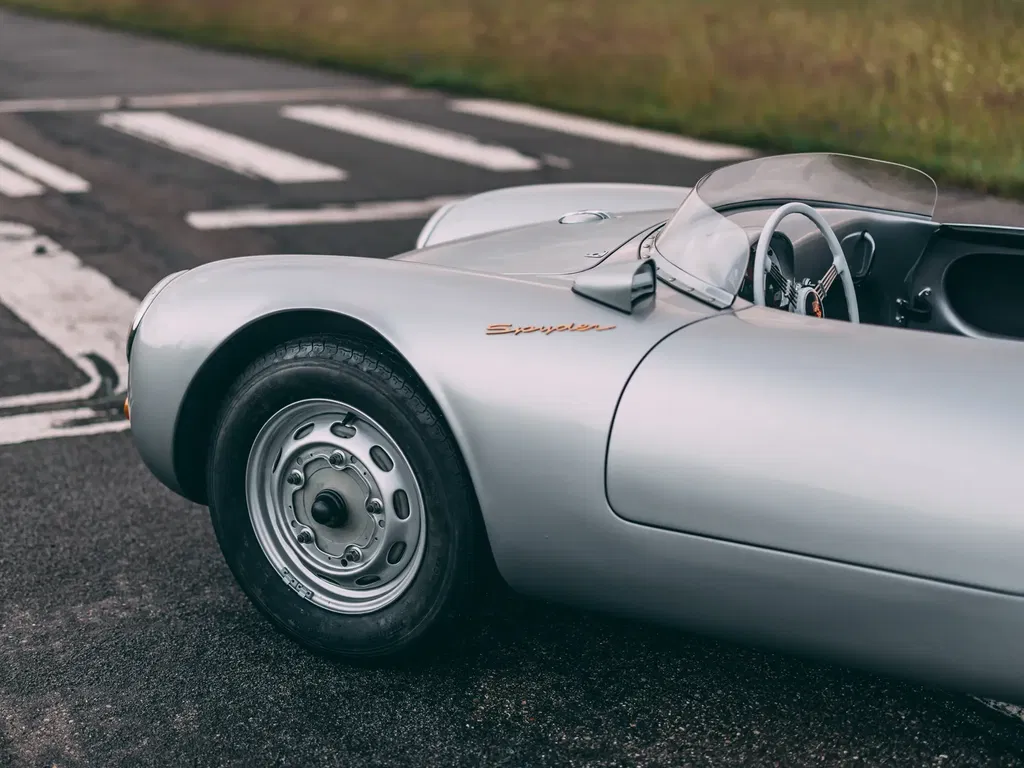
(329,509)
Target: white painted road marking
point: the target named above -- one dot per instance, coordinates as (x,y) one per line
(226,150)
(208,98)
(227,98)
(336,214)
(74,307)
(414,136)
(72,422)
(79,311)
(27,164)
(653,141)
(15,185)
(97,104)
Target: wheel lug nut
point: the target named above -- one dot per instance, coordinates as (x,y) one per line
(305,536)
(295,477)
(337,459)
(352,554)
(374,506)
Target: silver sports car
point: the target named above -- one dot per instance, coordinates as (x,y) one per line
(784,406)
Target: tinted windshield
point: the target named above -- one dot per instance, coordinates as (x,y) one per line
(707,253)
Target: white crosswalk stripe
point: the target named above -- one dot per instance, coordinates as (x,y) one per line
(13,184)
(22,174)
(221,148)
(420,138)
(611,133)
(25,175)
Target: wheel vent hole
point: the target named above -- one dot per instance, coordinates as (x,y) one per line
(365,581)
(342,430)
(302,431)
(396,552)
(401,501)
(381,459)
(277,461)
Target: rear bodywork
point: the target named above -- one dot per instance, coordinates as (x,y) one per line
(829,488)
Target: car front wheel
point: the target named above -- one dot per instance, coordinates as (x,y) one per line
(340,501)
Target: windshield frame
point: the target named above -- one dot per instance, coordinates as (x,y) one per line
(711,252)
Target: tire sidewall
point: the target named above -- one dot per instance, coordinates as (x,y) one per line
(396,627)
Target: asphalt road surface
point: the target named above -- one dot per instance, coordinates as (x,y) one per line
(123,638)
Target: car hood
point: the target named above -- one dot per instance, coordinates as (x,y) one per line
(550,248)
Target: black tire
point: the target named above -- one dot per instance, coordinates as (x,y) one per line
(378,383)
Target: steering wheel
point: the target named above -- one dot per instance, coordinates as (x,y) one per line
(805,299)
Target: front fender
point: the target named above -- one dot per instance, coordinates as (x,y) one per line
(531,387)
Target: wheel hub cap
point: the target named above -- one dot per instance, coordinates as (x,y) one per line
(335,506)
(329,509)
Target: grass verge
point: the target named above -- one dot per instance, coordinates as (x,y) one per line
(938,84)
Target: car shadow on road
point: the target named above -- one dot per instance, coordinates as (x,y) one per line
(610,663)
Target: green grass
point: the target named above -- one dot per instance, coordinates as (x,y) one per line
(938,84)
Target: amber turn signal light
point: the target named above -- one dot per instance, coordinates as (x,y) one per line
(126,410)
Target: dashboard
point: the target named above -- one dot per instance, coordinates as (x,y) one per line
(881,248)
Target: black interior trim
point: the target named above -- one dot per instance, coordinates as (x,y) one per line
(976,277)
(986,290)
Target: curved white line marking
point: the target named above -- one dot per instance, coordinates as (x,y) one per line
(85,391)
(80,312)
(29,427)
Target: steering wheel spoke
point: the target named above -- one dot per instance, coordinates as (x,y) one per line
(826,281)
(787,285)
(791,297)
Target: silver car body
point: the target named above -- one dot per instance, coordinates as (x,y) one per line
(842,490)
(533,203)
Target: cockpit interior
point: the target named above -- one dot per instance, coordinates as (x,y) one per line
(907,271)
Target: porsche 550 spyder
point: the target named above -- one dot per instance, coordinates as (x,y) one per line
(784,406)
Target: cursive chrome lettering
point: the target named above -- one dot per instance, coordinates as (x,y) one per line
(498,329)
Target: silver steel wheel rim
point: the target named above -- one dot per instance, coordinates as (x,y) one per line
(315,451)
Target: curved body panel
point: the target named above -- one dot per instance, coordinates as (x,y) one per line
(550,248)
(535,203)
(581,374)
(859,444)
